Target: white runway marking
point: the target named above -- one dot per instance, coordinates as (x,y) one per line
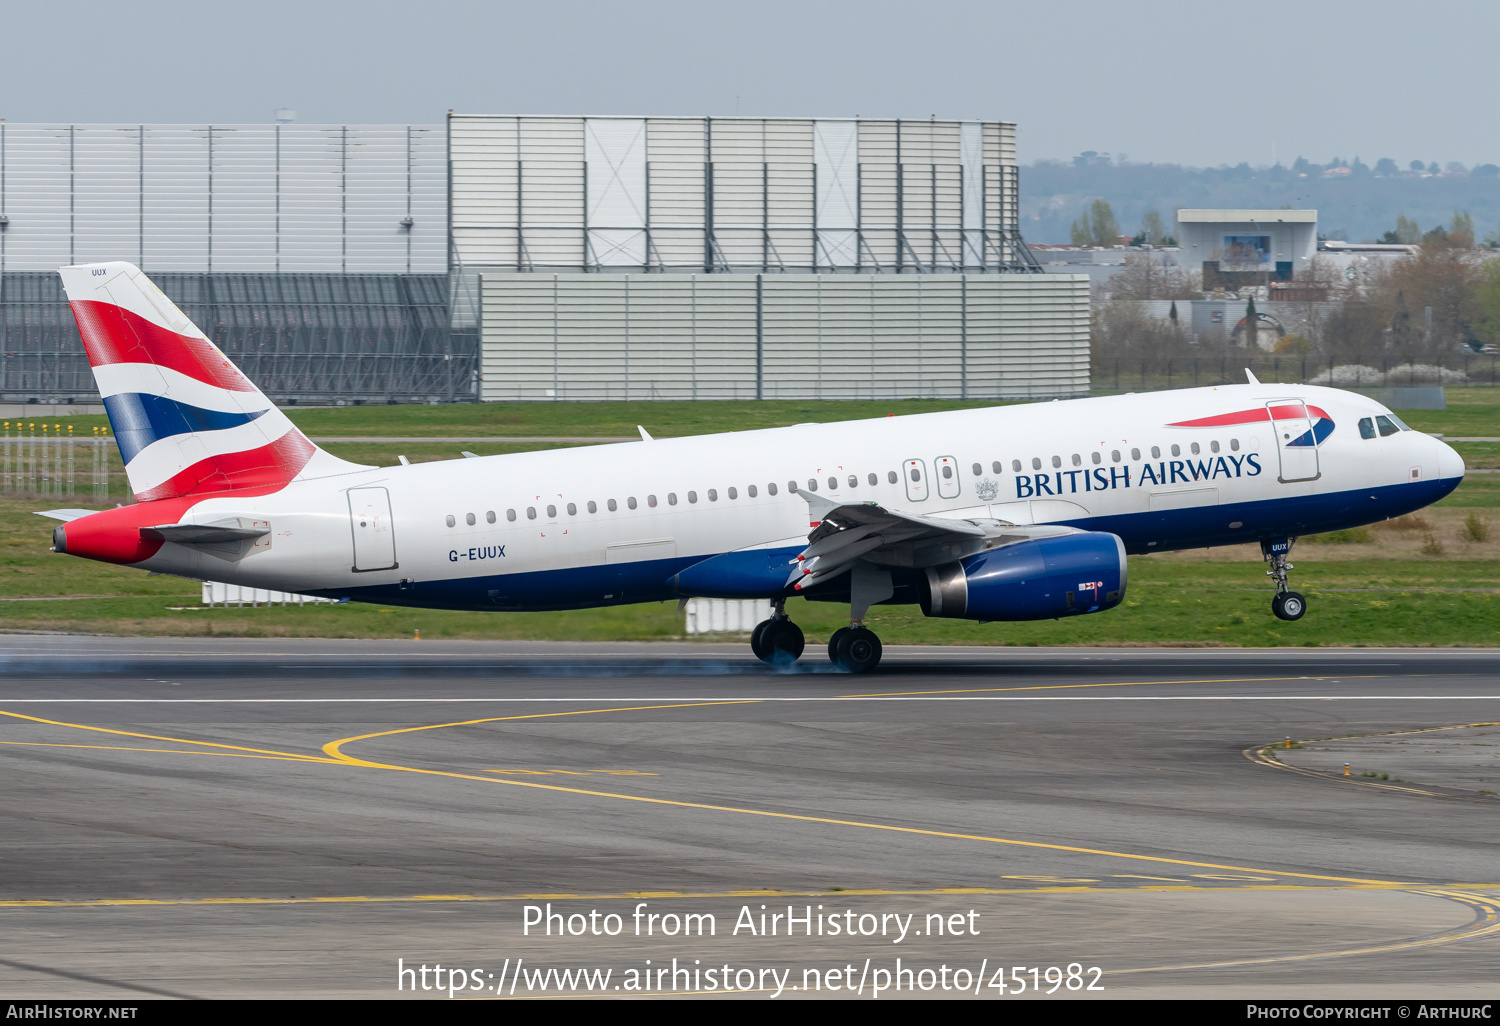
(728,699)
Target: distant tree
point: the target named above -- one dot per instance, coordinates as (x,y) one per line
(1103,228)
(1437,238)
(1488,300)
(1385,167)
(1461,230)
(1172,313)
(1417,165)
(1252,325)
(1433,167)
(1143,276)
(1390,238)
(1359,167)
(1301,166)
(1078,235)
(1401,322)
(1407,231)
(1456,168)
(1151,227)
(1485,171)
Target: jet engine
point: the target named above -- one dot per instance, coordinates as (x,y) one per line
(1041,579)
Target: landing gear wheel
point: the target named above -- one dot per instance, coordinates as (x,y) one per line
(833,645)
(782,642)
(858,651)
(1289,605)
(758,640)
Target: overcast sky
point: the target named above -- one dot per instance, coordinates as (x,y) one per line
(1187,81)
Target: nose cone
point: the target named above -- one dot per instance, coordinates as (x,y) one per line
(1449,463)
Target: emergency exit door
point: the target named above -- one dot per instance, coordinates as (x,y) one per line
(374,534)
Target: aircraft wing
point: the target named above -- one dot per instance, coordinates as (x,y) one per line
(845,533)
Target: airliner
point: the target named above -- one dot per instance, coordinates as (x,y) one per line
(1021,512)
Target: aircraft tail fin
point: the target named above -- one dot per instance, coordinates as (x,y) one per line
(184,417)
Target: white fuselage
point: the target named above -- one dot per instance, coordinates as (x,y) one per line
(604,524)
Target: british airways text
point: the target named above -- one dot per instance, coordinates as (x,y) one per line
(1166,472)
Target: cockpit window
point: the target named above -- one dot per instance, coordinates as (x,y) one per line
(1387,427)
(1367,427)
(1398,422)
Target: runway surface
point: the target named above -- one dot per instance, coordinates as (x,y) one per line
(306,818)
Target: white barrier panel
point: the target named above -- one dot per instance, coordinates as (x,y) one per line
(721,616)
(217,593)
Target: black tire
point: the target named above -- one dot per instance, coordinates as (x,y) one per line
(1291,606)
(783,642)
(757,641)
(859,651)
(833,645)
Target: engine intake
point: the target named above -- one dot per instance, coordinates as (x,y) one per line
(1034,580)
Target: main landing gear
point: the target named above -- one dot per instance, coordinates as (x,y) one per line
(1286,604)
(854,649)
(777,641)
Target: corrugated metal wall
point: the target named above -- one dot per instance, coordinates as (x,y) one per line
(783,336)
(225,198)
(734,194)
(301,337)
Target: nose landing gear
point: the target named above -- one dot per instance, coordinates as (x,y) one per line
(1286,604)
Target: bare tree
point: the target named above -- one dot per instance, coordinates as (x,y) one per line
(1143,276)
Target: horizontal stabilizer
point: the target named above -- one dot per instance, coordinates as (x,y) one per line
(65,514)
(202,534)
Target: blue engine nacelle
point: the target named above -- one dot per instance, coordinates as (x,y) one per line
(1034,580)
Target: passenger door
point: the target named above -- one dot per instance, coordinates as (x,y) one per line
(1296,445)
(374,536)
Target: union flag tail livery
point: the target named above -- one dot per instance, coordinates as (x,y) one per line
(186,420)
(1010,513)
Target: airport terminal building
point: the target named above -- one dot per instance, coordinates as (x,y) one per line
(537,258)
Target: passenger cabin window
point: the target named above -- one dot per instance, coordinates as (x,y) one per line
(671,498)
(713,495)
(833,484)
(572,509)
(1156,452)
(979,470)
(469,519)
(812,484)
(733,493)
(1135,454)
(997,467)
(1176,450)
(1036,463)
(489,516)
(613,505)
(752,492)
(651,501)
(853,480)
(510,515)
(1195,449)
(1015,465)
(1077,460)
(1114,455)
(593,506)
(771,488)
(1056,462)
(1213,446)
(551,512)
(450,520)
(631,502)
(890,475)
(1387,427)
(873,480)
(530,512)
(1234,444)
(1095,458)
(791,486)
